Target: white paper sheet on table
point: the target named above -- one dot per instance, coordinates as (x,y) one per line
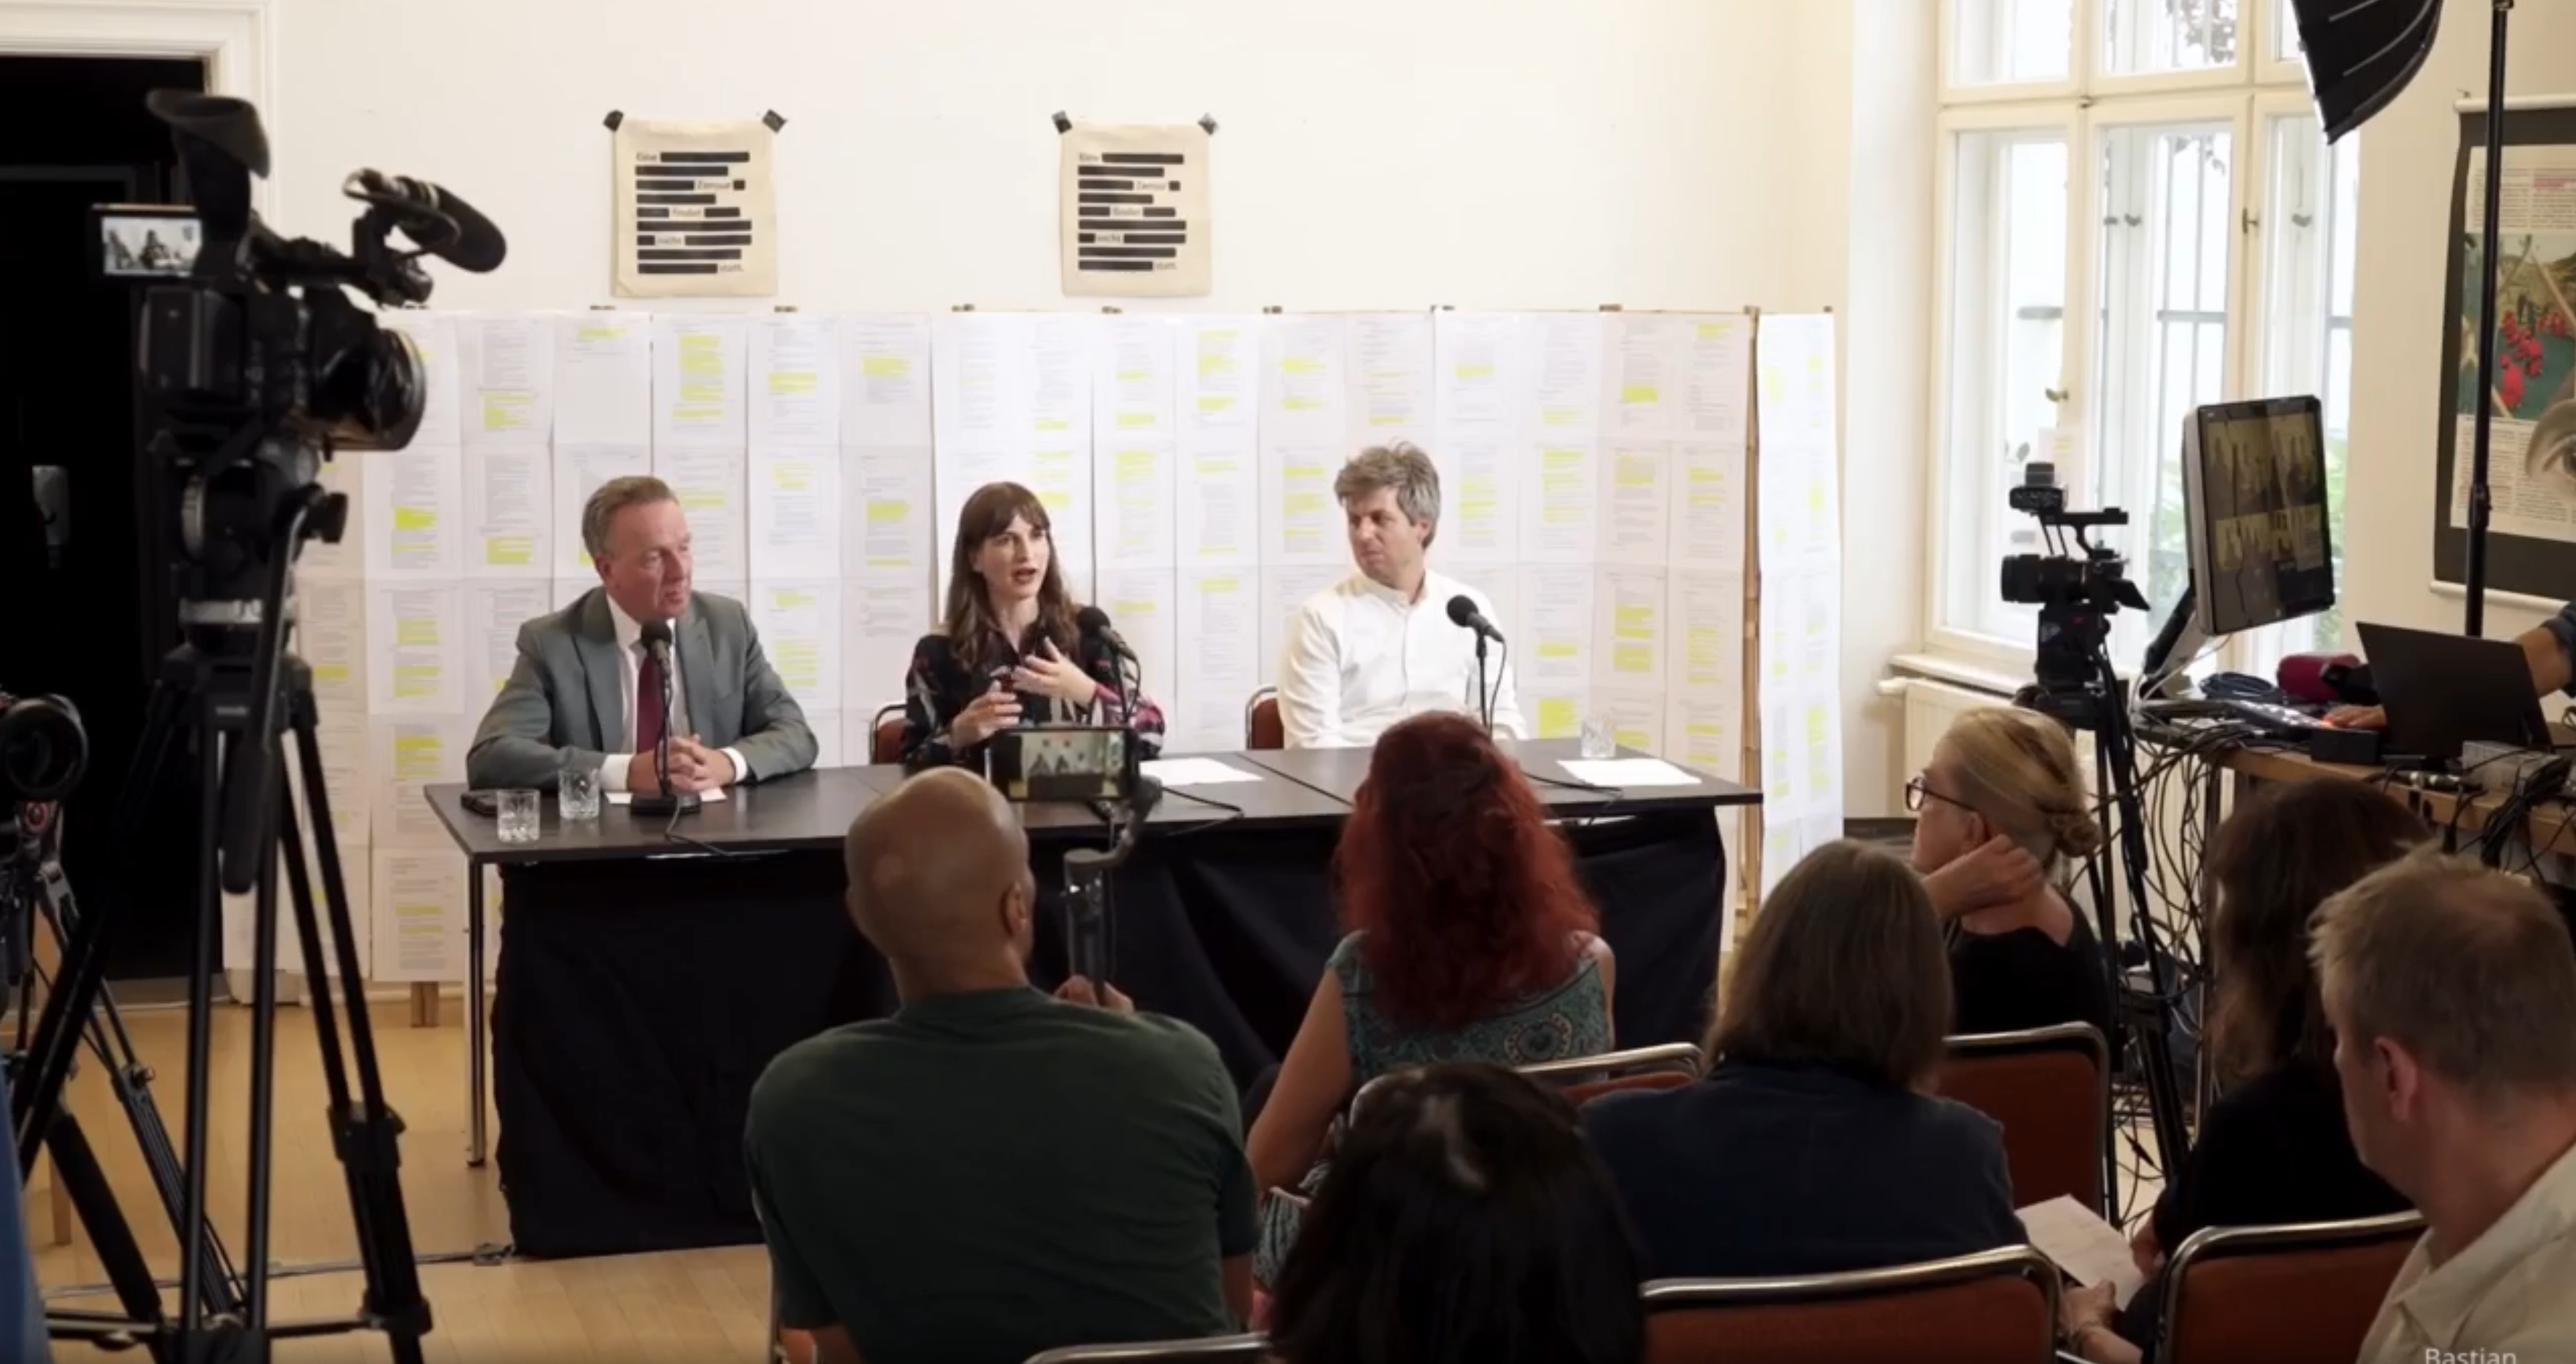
(1195,772)
(604,379)
(1621,774)
(716,796)
(2078,1241)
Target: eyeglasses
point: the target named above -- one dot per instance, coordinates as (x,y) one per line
(1917,789)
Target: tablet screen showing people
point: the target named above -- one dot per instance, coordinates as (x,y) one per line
(2261,508)
(1062,763)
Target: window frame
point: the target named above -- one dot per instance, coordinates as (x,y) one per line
(2247,97)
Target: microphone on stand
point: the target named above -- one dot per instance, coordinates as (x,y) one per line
(1464,613)
(1097,632)
(657,644)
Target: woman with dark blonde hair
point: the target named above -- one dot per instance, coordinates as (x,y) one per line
(1470,940)
(1813,1144)
(1009,651)
(2273,1148)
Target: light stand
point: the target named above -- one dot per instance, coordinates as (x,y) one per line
(2480,443)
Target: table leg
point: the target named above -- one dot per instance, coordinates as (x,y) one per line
(424,1004)
(475,1040)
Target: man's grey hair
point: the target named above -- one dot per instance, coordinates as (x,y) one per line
(614,496)
(1403,466)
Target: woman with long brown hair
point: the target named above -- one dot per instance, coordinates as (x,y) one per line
(2274,1147)
(1008,651)
(1470,940)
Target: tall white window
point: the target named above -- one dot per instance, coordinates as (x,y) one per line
(2139,215)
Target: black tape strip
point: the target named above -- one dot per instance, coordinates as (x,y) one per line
(615,117)
(774,120)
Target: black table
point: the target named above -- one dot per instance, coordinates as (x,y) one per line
(644,983)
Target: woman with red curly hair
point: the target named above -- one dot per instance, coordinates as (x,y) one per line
(1470,940)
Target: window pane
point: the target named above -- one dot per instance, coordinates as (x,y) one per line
(2168,35)
(2004,42)
(2008,263)
(2163,285)
(2309,208)
(2286,46)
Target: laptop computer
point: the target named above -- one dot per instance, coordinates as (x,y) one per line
(2443,691)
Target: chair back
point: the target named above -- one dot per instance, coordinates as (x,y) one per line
(2302,1294)
(885,736)
(1244,1349)
(1261,727)
(1585,1078)
(1995,1307)
(2050,1089)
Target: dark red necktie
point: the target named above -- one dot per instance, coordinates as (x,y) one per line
(648,703)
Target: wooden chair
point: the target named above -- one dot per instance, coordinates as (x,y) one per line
(1995,1307)
(2303,1294)
(1261,726)
(1585,1078)
(2050,1088)
(1243,1349)
(885,736)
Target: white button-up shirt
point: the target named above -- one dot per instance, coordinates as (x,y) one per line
(1360,657)
(2510,1294)
(675,721)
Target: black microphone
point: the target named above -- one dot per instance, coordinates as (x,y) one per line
(1094,624)
(475,245)
(1464,615)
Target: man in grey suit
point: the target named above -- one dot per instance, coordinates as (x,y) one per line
(587,693)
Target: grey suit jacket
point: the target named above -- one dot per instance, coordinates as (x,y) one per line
(565,703)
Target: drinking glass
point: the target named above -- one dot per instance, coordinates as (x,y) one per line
(518,816)
(1600,739)
(577,794)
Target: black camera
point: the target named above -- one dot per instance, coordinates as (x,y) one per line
(257,366)
(2076,593)
(43,748)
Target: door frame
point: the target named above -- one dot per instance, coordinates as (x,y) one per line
(234,38)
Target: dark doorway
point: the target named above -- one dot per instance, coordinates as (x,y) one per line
(92,609)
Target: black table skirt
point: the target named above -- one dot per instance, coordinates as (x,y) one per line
(638,1001)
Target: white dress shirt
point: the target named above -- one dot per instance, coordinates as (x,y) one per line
(2510,1294)
(1360,657)
(675,721)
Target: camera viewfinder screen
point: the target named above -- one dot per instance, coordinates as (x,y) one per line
(2262,513)
(138,245)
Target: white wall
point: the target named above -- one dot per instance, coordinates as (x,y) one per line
(2407,154)
(1498,153)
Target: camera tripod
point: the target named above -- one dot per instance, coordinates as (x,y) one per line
(2083,690)
(227,700)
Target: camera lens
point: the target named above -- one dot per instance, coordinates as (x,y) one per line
(42,748)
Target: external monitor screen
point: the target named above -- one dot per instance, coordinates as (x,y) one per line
(2254,492)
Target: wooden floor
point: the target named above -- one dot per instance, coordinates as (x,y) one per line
(683,1307)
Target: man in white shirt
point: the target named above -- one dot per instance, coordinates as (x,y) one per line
(587,692)
(1379,646)
(2452,991)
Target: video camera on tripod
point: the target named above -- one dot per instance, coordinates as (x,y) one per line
(254,368)
(2076,596)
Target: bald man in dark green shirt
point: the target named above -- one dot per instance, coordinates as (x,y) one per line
(992,1172)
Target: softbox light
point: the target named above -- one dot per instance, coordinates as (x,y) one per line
(2360,53)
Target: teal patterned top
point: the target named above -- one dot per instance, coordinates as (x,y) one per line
(1573,1019)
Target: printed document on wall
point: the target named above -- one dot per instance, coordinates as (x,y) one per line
(886,522)
(1478,358)
(405,755)
(796,512)
(578,472)
(710,486)
(885,380)
(1646,381)
(1134,428)
(1707,505)
(331,638)
(604,379)
(1628,607)
(1283,592)
(699,381)
(414,639)
(1557,642)
(1718,365)
(1635,503)
(800,630)
(1218,483)
(883,614)
(1389,373)
(415,513)
(1144,607)
(508,366)
(494,612)
(795,383)
(1219,629)
(693,209)
(509,506)
(418,912)
(1133,211)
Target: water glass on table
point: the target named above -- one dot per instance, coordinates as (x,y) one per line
(518,816)
(577,794)
(1600,739)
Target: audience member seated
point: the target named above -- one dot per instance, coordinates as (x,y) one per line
(1465,1222)
(1813,1145)
(2020,956)
(991,1172)
(2452,992)
(1471,941)
(2273,1149)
